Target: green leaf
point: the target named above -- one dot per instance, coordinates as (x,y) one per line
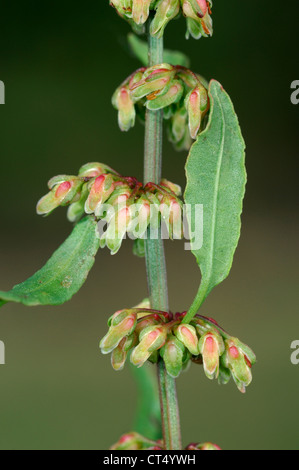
(140,50)
(64,273)
(216,178)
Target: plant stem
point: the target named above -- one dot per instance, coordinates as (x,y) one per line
(155,260)
(196,304)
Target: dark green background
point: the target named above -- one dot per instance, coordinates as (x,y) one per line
(61,62)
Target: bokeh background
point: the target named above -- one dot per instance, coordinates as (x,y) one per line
(60,62)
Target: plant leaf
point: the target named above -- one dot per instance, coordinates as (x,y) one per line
(63,274)
(140,50)
(216,178)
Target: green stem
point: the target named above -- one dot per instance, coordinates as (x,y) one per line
(155,260)
(196,304)
(169,410)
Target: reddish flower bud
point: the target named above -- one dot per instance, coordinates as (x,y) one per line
(122,324)
(64,190)
(238,358)
(211,347)
(100,190)
(151,339)
(123,102)
(187,335)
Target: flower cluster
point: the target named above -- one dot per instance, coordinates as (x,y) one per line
(123,204)
(153,335)
(135,441)
(181,94)
(197,13)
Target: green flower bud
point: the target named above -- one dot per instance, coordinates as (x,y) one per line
(186,360)
(187,335)
(184,144)
(140,11)
(119,354)
(154,211)
(139,248)
(155,81)
(224,374)
(172,354)
(151,339)
(123,7)
(171,212)
(178,125)
(204,325)
(154,357)
(117,229)
(199,21)
(200,7)
(94,169)
(201,326)
(146,322)
(140,217)
(189,78)
(172,187)
(173,95)
(196,103)
(118,199)
(122,324)
(166,10)
(77,209)
(211,347)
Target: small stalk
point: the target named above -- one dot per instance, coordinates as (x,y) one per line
(155,260)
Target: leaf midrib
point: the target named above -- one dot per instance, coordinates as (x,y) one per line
(216,195)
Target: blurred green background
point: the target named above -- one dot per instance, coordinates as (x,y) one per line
(60,62)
